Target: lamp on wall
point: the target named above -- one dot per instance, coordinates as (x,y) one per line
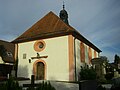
(29,60)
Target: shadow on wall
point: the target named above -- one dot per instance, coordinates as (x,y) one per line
(5,69)
(22,71)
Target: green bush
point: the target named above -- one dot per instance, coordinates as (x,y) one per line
(43,86)
(104,81)
(116,83)
(11,84)
(101,88)
(87,74)
(109,76)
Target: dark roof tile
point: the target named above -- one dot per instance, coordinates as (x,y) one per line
(6,48)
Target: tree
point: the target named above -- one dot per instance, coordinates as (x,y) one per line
(87,73)
(116,59)
(105,60)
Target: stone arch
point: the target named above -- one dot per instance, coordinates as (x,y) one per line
(35,68)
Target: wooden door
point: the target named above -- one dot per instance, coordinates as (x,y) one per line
(40,71)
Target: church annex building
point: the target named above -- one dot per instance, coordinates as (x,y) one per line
(53,50)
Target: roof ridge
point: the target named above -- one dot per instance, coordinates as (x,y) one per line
(5,41)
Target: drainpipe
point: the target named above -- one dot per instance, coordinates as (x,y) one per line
(98,54)
(75,58)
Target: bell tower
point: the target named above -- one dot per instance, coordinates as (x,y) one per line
(64,15)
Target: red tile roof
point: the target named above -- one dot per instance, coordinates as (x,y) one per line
(51,26)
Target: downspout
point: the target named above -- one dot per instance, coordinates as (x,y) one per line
(98,54)
(75,58)
(16,59)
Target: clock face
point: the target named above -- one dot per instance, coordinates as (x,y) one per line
(62,15)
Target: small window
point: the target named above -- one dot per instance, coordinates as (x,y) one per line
(9,54)
(41,45)
(24,56)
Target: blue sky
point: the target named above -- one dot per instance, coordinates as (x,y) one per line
(97,20)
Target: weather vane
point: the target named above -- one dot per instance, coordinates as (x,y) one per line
(63,5)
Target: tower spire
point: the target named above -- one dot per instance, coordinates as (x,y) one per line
(63,14)
(63,5)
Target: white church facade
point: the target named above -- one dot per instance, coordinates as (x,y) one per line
(53,50)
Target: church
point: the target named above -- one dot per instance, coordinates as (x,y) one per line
(53,50)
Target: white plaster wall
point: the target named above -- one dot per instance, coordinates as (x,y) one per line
(57,62)
(78,61)
(97,54)
(1,61)
(78,51)
(24,67)
(86,54)
(92,53)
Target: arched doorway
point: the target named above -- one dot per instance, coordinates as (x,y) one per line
(40,68)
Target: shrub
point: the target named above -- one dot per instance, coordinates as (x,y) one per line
(101,88)
(87,74)
(43,86)
(116,84)
(109,76)
(11,84)
(104,81)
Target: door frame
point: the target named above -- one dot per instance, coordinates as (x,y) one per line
(35,68)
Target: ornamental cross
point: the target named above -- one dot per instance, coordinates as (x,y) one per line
(39,57)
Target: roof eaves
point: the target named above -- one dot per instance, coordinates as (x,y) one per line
(43,36)
(83,39)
